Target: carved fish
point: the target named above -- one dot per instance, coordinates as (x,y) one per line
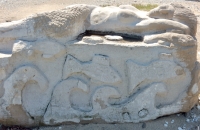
(156,71)
(98,69)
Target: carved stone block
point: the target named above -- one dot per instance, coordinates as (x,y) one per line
(98,64)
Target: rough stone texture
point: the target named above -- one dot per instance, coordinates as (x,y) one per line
(53,72)
(163,11)
(178,13)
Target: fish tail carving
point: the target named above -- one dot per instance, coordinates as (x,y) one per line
(72,65)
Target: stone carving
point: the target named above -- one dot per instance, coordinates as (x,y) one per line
(14,85)
(60,108)
(98,69)
(18,79)
(60,105)
(143,106)
(60,26)
(178,13)
(90,63)
(52,26)
(53,50)
(139,109)
(163,11)
(157,71)
(135,22)
(168,38)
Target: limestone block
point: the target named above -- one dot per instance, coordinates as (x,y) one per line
(88,63)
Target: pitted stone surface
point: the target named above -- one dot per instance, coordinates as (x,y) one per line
(53,71)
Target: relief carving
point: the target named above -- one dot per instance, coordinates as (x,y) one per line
(116,64)
(16,82)
(98,69)
(156,71)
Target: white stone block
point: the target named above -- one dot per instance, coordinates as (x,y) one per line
(89,63)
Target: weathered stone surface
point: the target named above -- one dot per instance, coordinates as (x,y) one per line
(55,69)
(163,11)
(99,69)
(178,13)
